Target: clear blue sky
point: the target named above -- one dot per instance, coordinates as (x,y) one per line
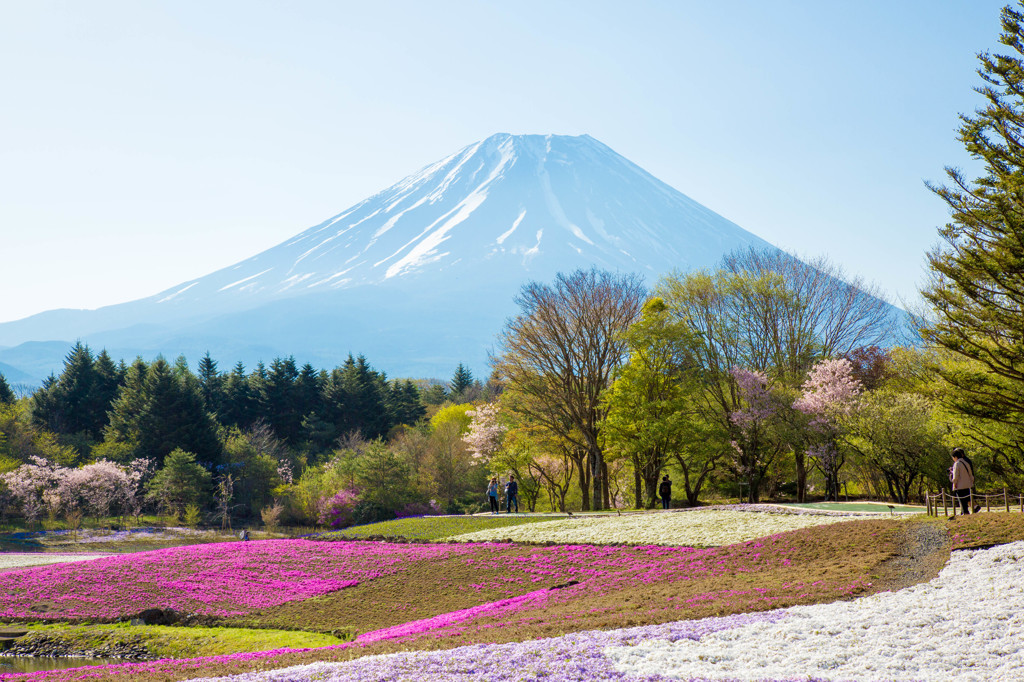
(143,144)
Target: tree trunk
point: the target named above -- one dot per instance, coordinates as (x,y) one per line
(595,479)
(801,477)
(584,479)
(605,484)
(637,493)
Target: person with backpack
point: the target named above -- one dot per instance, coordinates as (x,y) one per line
(665,492)
(961,475)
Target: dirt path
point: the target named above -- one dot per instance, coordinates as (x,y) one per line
(924,550)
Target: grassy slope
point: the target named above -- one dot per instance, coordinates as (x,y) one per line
(180,642)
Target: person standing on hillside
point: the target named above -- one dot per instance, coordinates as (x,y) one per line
(511,494)
(665,492)
(492,494)
(962,477)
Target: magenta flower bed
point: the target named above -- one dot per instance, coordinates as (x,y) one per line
(237,578)
(216,579)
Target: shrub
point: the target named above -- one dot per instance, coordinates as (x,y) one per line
(271,515)
(431,508)
(193,515)
(339,510)
(371,511)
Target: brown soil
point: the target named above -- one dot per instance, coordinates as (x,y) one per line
(923,550)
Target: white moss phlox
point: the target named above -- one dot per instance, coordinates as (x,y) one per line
(699,528)
(11,561)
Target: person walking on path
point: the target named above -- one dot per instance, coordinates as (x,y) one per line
(962,476)
(492,494)
(511,495)
(665,492)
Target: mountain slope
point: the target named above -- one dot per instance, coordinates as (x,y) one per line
(419,276)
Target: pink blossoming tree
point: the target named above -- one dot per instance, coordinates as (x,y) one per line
(827,395)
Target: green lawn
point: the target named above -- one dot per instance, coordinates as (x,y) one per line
(164,641)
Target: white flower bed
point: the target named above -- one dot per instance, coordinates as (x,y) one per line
(698,528)
(12,561)
(967,624)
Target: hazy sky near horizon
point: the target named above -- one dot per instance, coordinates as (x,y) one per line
(143,144)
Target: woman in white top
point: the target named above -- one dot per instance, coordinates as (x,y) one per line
(962,476)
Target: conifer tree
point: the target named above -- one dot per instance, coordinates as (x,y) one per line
(6,394)
(212,382)
(283,411)
(77,401)
(355,397)
(239,407)
(461,380)
(162,412)
(404,404)
(976,291)
(308,387)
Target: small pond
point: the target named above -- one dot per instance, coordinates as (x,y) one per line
(31,664)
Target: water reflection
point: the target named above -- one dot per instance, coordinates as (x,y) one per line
(31,664)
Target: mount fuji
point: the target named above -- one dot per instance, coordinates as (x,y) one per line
(418,277)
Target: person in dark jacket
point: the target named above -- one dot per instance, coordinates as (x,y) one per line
(665,492)
(511,495)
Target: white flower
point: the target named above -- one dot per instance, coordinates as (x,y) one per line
(697,528)
(964,625)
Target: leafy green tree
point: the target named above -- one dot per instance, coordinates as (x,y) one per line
(21,439)
(976,292)
(383,476)
(452,470)
(559,353)
(255,472)
(900,436)
(180,482)
(650,413)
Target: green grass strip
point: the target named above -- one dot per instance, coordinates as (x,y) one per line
(430,527)
(167,641)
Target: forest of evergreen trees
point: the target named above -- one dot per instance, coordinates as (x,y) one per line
(280,439)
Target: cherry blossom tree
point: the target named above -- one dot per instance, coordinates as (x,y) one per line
(827,395)
(757,440)
(485,434)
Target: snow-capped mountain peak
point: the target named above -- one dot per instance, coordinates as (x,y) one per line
(515,205)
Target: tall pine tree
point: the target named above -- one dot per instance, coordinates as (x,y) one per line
(6,394)
(461,380)
(977,287)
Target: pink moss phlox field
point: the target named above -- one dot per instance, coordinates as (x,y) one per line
(224,579)
(232,579)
